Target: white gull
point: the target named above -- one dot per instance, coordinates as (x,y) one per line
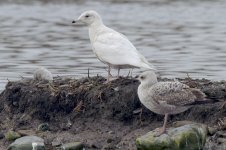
(110,46)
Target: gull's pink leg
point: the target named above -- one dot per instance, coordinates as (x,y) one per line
(163,129)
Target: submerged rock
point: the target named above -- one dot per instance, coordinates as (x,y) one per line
(12,135)
(28,143)
(192,136)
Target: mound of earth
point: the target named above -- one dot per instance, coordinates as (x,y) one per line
(102,116)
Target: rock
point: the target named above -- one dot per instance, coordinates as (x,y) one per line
(42,73)
(221,140)
(56,144)
(26,132)
(28,143)
(1,135)
(72,146)
(12,135)
(181,123)
(110,140)
(221,134)
(43,127)
(111,132)
(212,130)
(211,145)
(191,136)
(109,146)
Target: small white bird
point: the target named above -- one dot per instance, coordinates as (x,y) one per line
(111,47)
(42,73)
(166,97)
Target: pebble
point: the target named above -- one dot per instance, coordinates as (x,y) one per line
(43,127)
(12,135)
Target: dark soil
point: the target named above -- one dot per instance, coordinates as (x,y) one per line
(102,116)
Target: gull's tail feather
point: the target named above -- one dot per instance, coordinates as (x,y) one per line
(201,102)
(145,64)
(200,96)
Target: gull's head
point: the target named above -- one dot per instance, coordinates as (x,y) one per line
(88,18)
(147,77)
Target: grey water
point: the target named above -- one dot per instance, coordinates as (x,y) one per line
(178,37)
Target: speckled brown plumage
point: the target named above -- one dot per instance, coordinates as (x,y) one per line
(175,93)
(166,97)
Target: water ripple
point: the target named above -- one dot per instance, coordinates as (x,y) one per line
(177,37)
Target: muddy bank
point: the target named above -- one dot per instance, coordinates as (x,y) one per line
(97,114)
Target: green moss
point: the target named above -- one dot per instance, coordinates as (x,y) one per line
(193,137)
(181,138)
(149,142)
(11,135)
(203,133)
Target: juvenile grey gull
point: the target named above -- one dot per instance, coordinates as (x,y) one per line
(166,97)
(42,73)
(111,47)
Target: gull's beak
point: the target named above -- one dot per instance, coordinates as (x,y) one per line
(76,21)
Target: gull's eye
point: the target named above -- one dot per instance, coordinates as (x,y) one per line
(87,16)
(142,77)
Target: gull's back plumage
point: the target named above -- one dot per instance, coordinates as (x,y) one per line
(114,48)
